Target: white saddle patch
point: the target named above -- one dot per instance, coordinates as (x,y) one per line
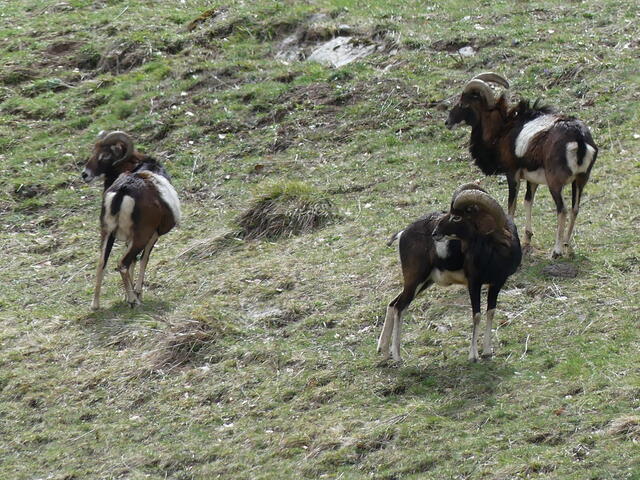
(530,130)
(168,195)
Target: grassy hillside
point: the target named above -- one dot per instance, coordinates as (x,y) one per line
(255,358)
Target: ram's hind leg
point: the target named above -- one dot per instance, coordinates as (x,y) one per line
(492,301)
(556,193)
(387,329)
(474,295)
(514,187)
(123,267)
(105,250)
(528,203)
(143,264)
(576,194)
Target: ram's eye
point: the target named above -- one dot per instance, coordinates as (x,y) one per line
(456,218)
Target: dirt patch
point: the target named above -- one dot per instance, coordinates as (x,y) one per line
(562,270)
(123,57)
(547,438)
(456,44)
(61,48)
(22,191)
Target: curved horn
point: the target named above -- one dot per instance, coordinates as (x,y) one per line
(483,89)
(492,77)
(484,201)
(462,188)
(123,137)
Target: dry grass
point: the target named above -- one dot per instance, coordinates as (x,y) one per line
(286,209)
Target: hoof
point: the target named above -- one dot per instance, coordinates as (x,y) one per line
(487,356)
(555,255)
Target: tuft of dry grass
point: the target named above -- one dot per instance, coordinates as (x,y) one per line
(286,209)
(208,247)
(183,342)
(627,426)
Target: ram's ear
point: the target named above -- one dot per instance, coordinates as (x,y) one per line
(484,223)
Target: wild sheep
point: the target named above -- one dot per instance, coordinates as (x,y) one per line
(527,142)
(139,204)
(474,244)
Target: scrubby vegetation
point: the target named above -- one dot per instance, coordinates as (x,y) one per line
(253,355)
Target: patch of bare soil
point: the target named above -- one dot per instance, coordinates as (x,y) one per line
(62,48)
(123,57)
(562,270)
(456,44)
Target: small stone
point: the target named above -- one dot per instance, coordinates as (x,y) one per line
(467,51)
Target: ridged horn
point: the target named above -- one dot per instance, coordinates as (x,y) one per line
(492,77)
(466,186)
(483,89)
(484,201)
(123,137)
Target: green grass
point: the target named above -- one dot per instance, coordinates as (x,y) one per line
(256,358)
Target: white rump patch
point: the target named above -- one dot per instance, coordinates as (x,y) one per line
(121,223)
(530,130)
(572,158)
(168,195)
(110,221)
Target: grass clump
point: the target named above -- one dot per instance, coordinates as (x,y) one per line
(187,341)
(284,209)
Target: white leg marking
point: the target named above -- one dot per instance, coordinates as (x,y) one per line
(531,129)
(473,351)
(486,347)
(95,305)
(385,335)
(395,343)
(558,248)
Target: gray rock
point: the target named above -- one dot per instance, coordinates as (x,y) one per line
(340,51)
